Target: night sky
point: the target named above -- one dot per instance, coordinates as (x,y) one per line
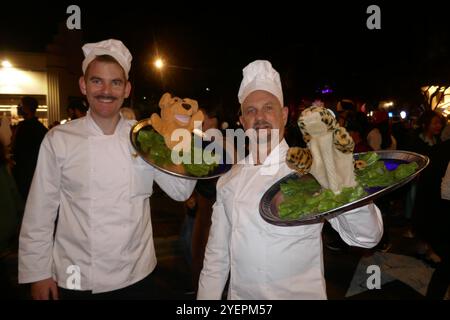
(310,45)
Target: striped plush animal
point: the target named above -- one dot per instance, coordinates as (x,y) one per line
(341,138)
(329,156)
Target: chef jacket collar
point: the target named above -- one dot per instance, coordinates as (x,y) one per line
(97,130)
(276,156)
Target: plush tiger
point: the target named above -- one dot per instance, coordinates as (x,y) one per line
(300,159)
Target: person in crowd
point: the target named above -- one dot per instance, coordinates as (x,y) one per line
(10,215)
(293,134)
(205,193)
(357,125)
(380,137)
(445,134)
(5,131)
(428,134)
(345,109)
(128,113)
(266,261)
(187,227)
(90,180)
(436,223)
(77,108)
(25,144)
(424,139)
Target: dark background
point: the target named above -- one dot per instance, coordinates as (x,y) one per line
(310,44)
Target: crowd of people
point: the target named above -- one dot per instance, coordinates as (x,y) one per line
(80,197)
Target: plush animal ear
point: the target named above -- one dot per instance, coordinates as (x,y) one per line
(192,103)
(165,99)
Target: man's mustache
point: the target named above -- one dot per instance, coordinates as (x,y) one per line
(101,96)
(261,124)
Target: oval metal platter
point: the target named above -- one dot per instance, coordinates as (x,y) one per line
(175,170)
(268,207)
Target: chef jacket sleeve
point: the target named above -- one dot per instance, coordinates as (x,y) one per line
(36,235)
(361,227)
(179,189)
(216,265)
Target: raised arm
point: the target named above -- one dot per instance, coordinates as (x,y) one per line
(179,189)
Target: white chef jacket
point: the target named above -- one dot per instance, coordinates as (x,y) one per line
(268,261)
(102,191)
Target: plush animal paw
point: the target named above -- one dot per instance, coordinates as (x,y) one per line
(359,164)
(299,159)
(342,140)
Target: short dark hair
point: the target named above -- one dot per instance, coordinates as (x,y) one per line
(427,116)
(30,102)
(79,104)
(210,103)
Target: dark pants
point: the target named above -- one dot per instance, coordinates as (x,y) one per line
(438,238)
(440,280)
(441,245)
(200,236)
(146,289)
(7,290)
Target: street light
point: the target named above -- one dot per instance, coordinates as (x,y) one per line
(159,63)
(403,114)
(162,67)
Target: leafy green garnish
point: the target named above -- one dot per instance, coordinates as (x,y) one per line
(153,144)
(303,197)
(377,175)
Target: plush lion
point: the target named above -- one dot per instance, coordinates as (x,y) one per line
(176,113)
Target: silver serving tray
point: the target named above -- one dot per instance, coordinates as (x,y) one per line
(268,206)
(174,170)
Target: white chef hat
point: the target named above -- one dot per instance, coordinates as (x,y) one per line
(259,75)
(111,47)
